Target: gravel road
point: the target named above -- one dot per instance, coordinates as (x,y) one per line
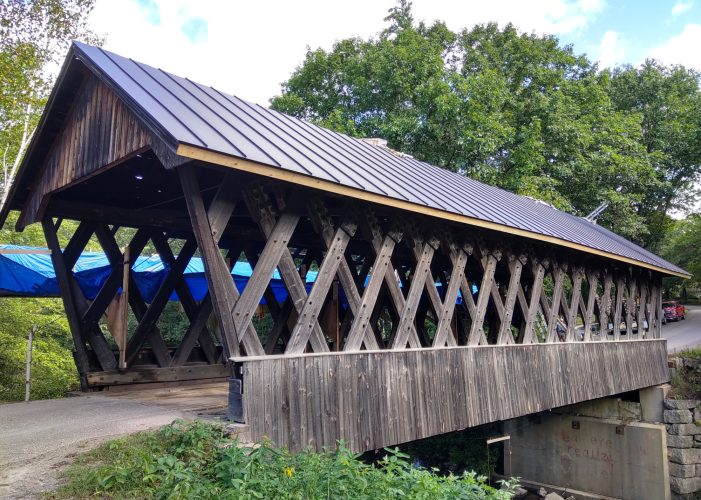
(38,438)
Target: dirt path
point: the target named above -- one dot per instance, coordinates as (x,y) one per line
(39,438)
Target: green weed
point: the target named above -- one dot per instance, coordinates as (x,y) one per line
(196,460)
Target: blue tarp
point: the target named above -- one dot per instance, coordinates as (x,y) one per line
(32,274)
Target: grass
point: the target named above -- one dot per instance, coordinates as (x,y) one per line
(694,353)
(197,460)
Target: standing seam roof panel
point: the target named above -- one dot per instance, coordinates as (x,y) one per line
(346,153)
(280,143)
(165,116)
(211,116)
(326,163)
(196,115)
(293,131)
(388,159)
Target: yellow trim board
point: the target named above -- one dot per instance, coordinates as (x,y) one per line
(202,154)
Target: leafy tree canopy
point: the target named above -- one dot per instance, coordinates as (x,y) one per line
(682,247)
(34,37)
(515,110)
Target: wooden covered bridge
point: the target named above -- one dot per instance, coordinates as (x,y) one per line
(440,303)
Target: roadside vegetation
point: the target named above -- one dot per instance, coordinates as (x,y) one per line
(686,374)
(197,460)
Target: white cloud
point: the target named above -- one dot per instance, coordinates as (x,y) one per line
(556,17)
(611,50)
(681,7)
(681,49)
(249,48)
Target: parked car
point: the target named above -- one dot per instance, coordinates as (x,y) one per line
(673,310)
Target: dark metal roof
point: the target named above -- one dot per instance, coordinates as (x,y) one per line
(183,112)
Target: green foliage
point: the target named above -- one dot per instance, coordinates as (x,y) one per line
(686,382)
(457,452)
(53,370)
(197,461)
(682,247)
(667,102)
(34,35)
(515,110)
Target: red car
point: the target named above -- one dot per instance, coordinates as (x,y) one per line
(673,310)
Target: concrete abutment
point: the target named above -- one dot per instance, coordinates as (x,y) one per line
(612,447)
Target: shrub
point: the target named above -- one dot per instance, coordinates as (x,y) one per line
(53,370)
(197,461)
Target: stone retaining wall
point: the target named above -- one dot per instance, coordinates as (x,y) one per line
(683,446)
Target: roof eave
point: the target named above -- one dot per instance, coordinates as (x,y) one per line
(203,154)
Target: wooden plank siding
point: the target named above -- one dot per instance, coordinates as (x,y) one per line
(373,399)
(99,132)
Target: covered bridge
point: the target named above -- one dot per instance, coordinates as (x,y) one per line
(463,303)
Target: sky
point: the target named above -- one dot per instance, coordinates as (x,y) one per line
(249,48)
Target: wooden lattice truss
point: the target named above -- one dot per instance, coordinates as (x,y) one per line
(408,282)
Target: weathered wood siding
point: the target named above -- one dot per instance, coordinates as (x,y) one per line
(376,399)
(99,131)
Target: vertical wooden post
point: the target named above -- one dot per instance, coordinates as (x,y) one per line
(122,343)
(642,309)
(28,370)
(659,312)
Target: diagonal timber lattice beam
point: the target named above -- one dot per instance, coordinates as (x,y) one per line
(362,327)
(275,248)
(558,273)
(574,306)
(136,302)
(262,211)
(593,281)
(335,256)
(323,223)
(74,300)
(477,336)
(531,307)
(421,275)
(605,307)
(516,264)
(458,258)
(221,287)
(187,302)
(63,278)
(155,308)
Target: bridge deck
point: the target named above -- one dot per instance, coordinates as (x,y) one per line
(373,399)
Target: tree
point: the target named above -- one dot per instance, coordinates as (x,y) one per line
(515,110)
(34,36)
(668,103)
(682,247)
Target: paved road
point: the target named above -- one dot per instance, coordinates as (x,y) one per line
(685,334)
(38,438)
